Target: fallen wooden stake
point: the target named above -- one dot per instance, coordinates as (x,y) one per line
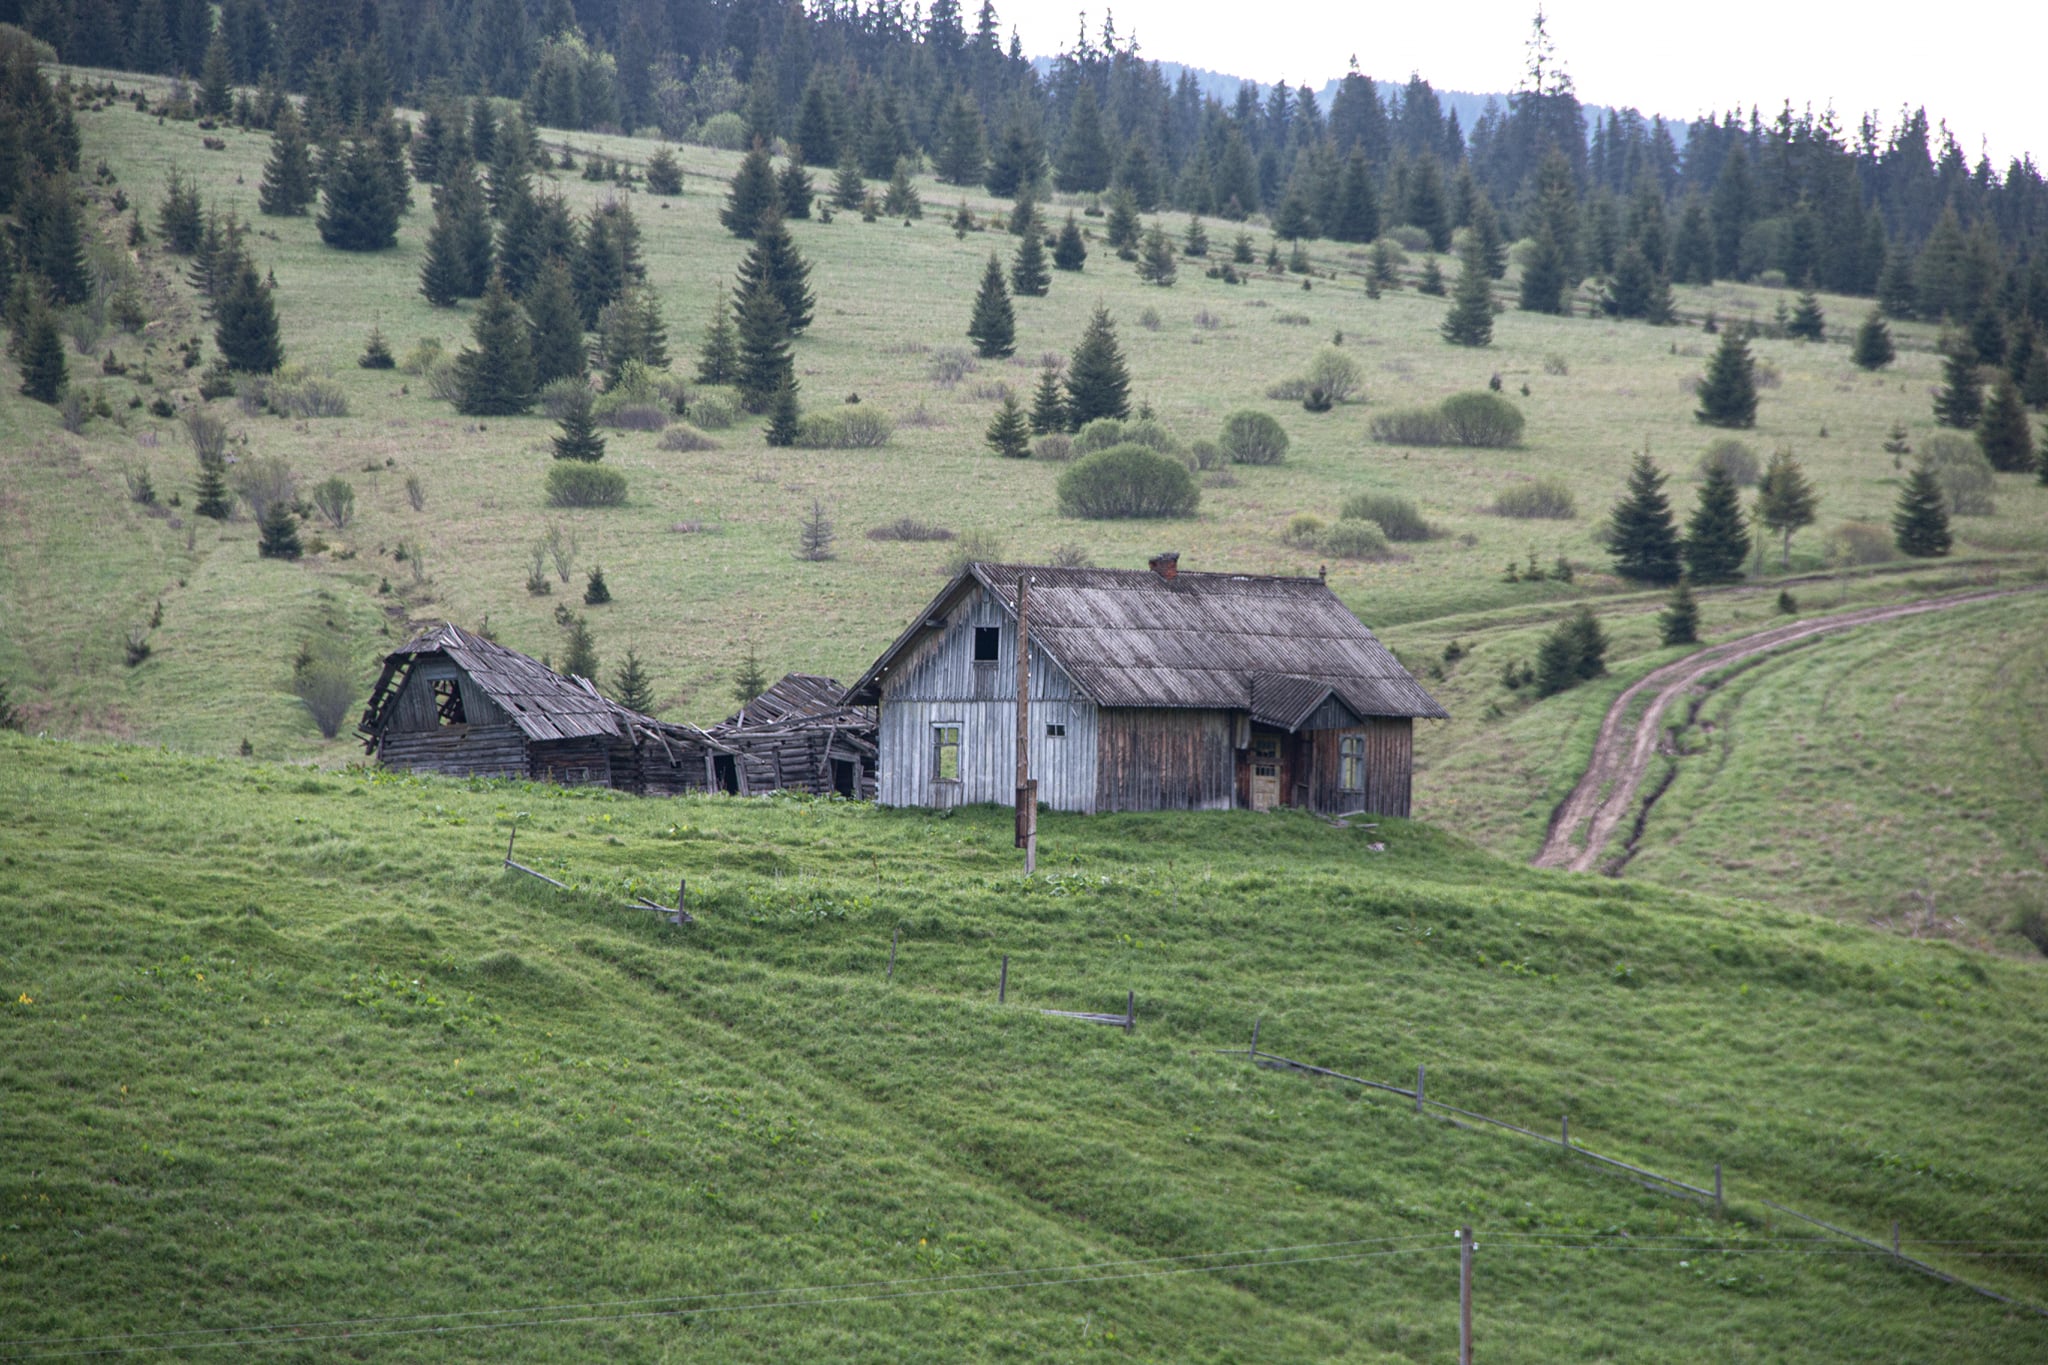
(1124,1021)
(522,867)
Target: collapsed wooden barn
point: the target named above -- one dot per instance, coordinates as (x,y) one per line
(450,701)
(1148,690)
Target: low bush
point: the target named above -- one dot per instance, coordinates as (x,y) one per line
(1252,437)
(629,416)
(853,428)
(264,482)
(444,379)
(336,500)
(1733,458)
(1395,515)
(1480,418)
(323,680)
(726,131)
(422,357)
(1536,500)
(1100,434)
(1411,427)
(1304,532)
(572,483)
(1352,539)
(1966,478)
(910,529)
(1205,454)
(313,395)
(1410,237)
(684,437)
(557,394)
(978,546)
(1056,446)
(951,364)
(1337,375)
(1128,481)
(715,409)
(1856,543)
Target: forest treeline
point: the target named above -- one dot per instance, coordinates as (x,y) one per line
(1900,213)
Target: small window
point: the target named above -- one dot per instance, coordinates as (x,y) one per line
(988,642)
(1055,730)
(448,702)
(945,753)
(1351,763)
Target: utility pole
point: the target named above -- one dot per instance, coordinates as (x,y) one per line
(1464,1296)
(1027,789)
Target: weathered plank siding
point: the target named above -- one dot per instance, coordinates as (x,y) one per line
(943,685)
(1388,763)
(457,750)
(1163,758)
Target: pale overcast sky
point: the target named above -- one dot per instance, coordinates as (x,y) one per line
(1677,59)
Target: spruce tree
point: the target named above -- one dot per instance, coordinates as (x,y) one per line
(578,439)
(1028,273)
(1085,160)
(1728,395)
(1785,501)
(900,198)
(848,188)
(216,79)
(1961,401)
(664,178)
(773,263)
(1470,319)
(1873,349)
(2003,434)
(245,323)
(751,194)
(1122,227)
(1808,322)
(579,652)
(1156,263)
(1379,269)
(287,186)
(784,418)
(1048,403)
(1069,252)
(793,186)
(1098,385)
(210,495)
(765,366)
(358,204)
(1679,622)
(1543,275)
(1920,520)
(1432,282)
(460,200)
(963,149)
(52,237)
(631,687)
(1194,243)
(1640,533)
(278,537)
(631,329)
(1630,288)
(180,219)
(555,327)
(43,374)
(1009,434)
(442,275)
(1716,535)
(719,361)
(495,377)
(993,327)
(1357,214)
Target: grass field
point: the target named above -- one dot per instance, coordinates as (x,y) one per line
(284,1046)
(80,566)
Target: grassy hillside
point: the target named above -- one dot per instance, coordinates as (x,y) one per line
(283,1046)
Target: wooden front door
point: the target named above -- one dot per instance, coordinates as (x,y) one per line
(1265,772)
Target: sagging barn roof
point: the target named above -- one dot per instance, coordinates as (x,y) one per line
(1278,648)
(798,696)
(541,702)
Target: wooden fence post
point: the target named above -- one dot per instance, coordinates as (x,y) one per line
(1719,1207)
(1003,981)
(1565,1132)
(1895,1236)
(682,899)
(1130,1010)
(1255,1038)
(1464,1296)
(894,934)
(1418,1087)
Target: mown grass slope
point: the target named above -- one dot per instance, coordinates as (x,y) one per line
(286,1046)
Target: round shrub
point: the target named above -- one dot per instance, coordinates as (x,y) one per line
(1395,515)
(1100,434)
(1734,459)
(727,132)
(1965,476)
(1411,237)
(572,483)
(1480,418)
(1411,427)
(1056,446)
(1304,531)
(1536,500)
(1352,539)
(1856,543)
(1204,454)
(557,394)
(1147,432)
(854,428)
(684,437)
(714,409)
(1337,375)
(1251,437)
(1127,481)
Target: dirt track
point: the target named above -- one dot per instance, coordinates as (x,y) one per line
(1622,754)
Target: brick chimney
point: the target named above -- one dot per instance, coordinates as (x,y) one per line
(1166,565)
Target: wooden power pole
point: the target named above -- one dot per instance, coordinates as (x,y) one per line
(1027,789)
(1464,1296)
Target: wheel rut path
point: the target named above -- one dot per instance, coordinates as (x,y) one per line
(1622,755)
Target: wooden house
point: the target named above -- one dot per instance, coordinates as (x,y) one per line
(451,701)
(1148,690)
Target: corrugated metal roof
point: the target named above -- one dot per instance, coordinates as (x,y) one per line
(1267,645)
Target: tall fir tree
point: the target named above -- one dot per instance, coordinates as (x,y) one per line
(245,323)
(555,327)
(460,200)
(774,263)
(52,236)
(43,374)
(495,377)
(443,277)
(1640,533)
(993,326)
(1028,273)
(785,422)
(1873,349)
(358,204)
(631,329)
(1785,501)
(1098,384)
(1123,228)
(1470,319)
(1156,263)
(1632,286)
(1808,322)
(793,186)
(1085,159)
(752,193)
(1492,241)
(765,365)
(1069,252)
(287,187)
(849,188)
(1544,280)
(1920,519)
(1009,434)
(1357,214)
(1717,534)
(216,79)
(2002,432)
(210,495)
(1048,403)
(718,361)
(963,147)
(278,534)
(631,687)
(1728,394)
(1960,402)
(578,438)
